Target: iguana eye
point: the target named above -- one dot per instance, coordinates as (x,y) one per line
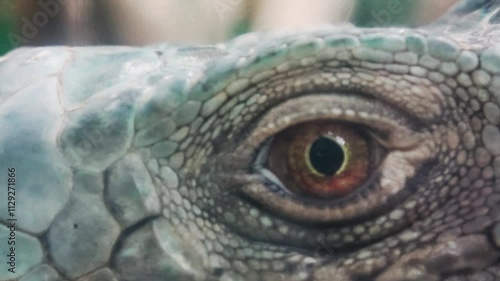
(322,159)
(316,162)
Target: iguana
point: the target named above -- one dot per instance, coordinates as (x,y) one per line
(333,153)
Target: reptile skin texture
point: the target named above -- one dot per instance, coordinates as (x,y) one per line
(144,164)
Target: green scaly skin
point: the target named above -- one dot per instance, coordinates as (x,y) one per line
(139,163)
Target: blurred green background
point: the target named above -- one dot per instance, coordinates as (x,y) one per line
(92,22)
(6,24)
(369,11)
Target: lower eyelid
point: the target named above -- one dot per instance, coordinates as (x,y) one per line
(296,208)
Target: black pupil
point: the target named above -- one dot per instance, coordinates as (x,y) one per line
(326,156)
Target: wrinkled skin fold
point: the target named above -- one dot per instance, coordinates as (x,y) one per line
(139,163)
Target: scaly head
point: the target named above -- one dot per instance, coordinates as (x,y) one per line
(335,153)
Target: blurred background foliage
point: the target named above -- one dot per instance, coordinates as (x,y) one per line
(93,22)
(6,25)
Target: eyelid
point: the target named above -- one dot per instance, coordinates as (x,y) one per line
(396,130)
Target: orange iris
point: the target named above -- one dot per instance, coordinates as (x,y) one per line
(322,159)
